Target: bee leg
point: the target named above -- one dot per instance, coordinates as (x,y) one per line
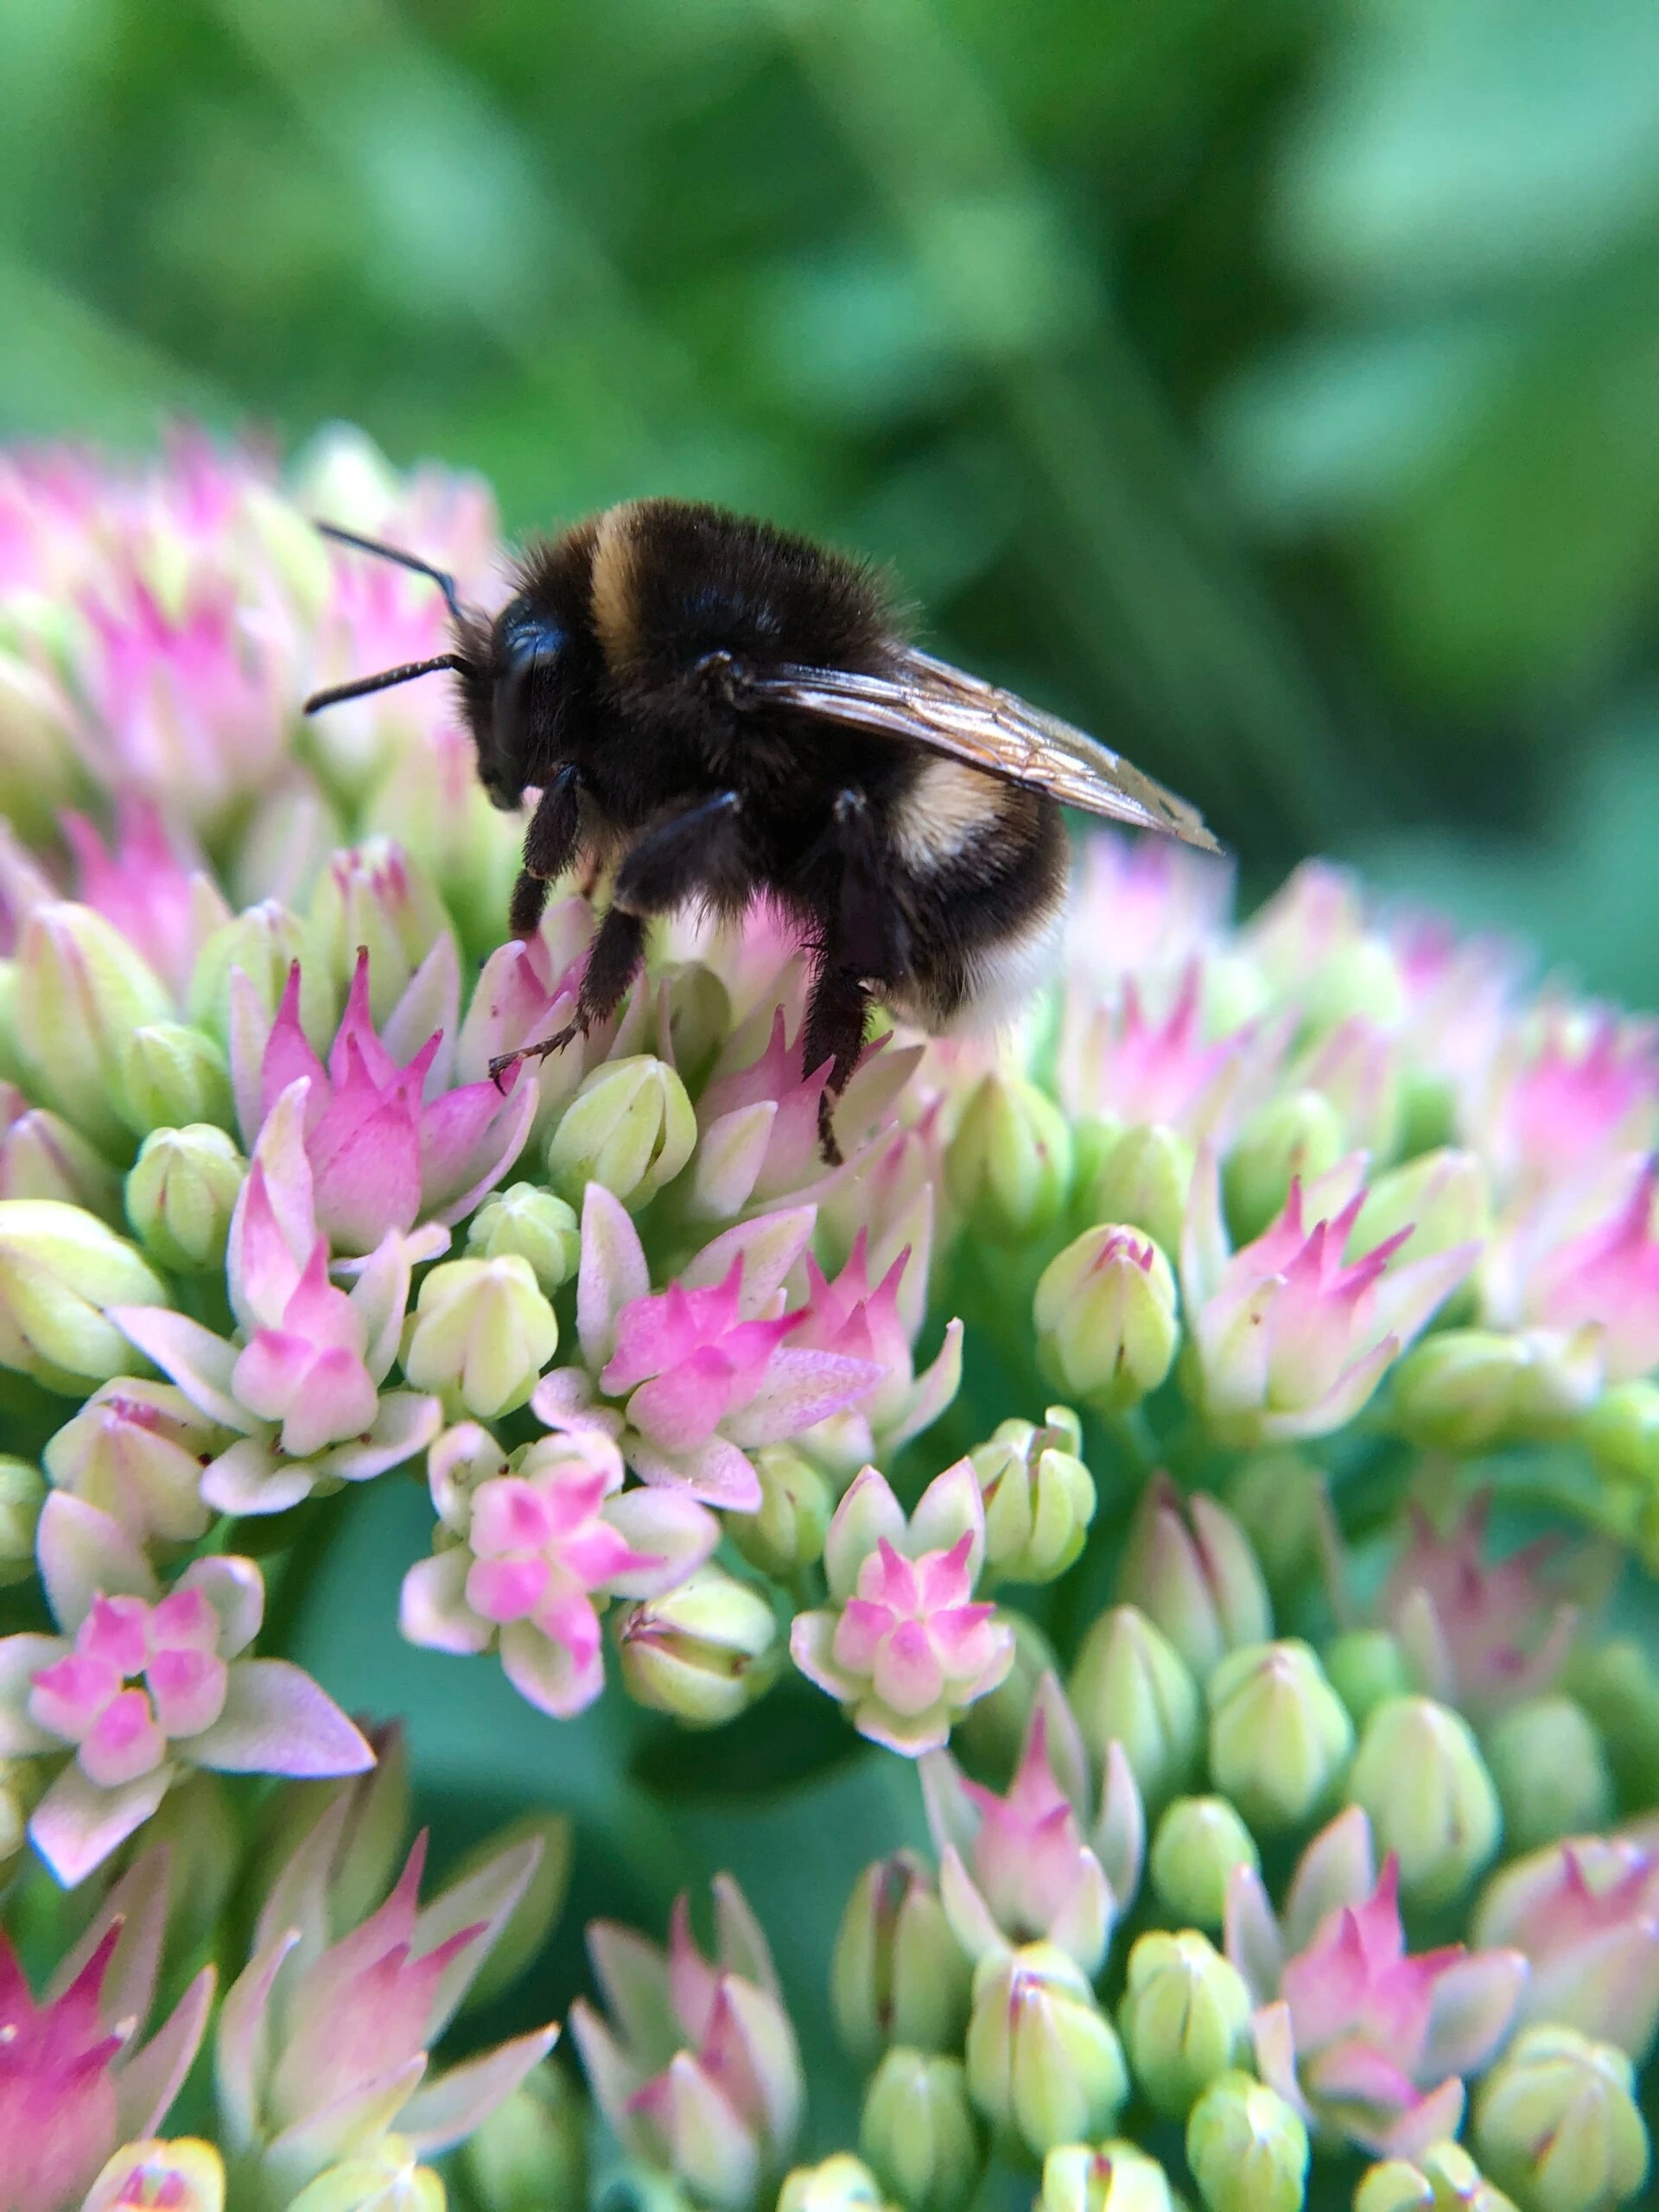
(833,1031)
(690,849)
(548,844)
(873,940)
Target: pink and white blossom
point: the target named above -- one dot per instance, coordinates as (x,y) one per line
(902,1643)
(140,1684)
(531,1549)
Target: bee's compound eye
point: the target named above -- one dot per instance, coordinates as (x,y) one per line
(528,644)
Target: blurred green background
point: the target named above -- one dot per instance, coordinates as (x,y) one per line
(1274,387)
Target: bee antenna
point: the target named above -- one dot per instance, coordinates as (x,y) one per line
(445,584)
(384,681)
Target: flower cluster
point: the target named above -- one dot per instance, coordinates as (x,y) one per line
(1144,1429)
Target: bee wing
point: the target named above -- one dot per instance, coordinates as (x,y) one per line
(927,702)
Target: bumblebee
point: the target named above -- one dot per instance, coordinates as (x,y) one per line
(712,708)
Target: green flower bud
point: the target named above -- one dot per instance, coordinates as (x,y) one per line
(532,1224)
(702,1652)
(172,1075)
(990,1734)
(181,1194)
(1618,1687)
(41,1156)
(1551,1772)
(1189,1567)
(263,942)
(1130,1684)
(385,2178)
(787,1532)
(480,1336)
(1443,2179)
(1039,1497)
(1298,1134)
(1145,1180)
(919,2133)
(1247,2147)
(82,990)
(281,852)
(840,2183)
(135,1450)
(1469,1391)
(899,1975)
(373,895)
(187,2175)
(431,801)
(630,1127)
(1556,2123)
(1419,1776)
(530,2155)
(1104,1314)
(1111,2176)
(1280,1735)
(1185,2018)
(1044,2064)
(22,1493)
(1621,1431)
(1195,1848)
(1365,1665)
(58,1269)
(38,772)
(1278,1500)
(1441,1196)
(1008,1170)
(699,1020)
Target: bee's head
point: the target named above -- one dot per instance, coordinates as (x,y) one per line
(512,697)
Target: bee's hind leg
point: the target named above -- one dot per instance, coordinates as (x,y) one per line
(833,1031)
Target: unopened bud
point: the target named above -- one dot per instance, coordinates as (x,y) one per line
(480,1335)
(1551,1773)
(22,1493)
(171,1075)
(136,1450)
(185,2175)
(839,2183)
(1104,1313)
(1444,2178)
(1621,1431)
(281,852)
(1039,1497)
(528,1925)
(1280,1735)
(431,801)
(703,1651)
(1469,1391)
(899,1975)
(919,2133)
(1131,1686)
(1190,1569)
(263,942)
(1618,1686)
(373,896)
(58,1269)
(1557,2125)
(1276,1498)
(387,2177)
(43,1156)
(181,1193)
(1112,2176)
(787,1532)
(82,990)
(37,748)
(1247,2147)
(1185,2018)
(992,1731)
(1365,1665)
(1008,1170)
(699,1019)
(530,2155)
(1144,1180)
(1197,1844)
(631,1127)
(1445,1826)
(1297,1135)
(1043,2062)
(1441,1196)
(530,1224)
